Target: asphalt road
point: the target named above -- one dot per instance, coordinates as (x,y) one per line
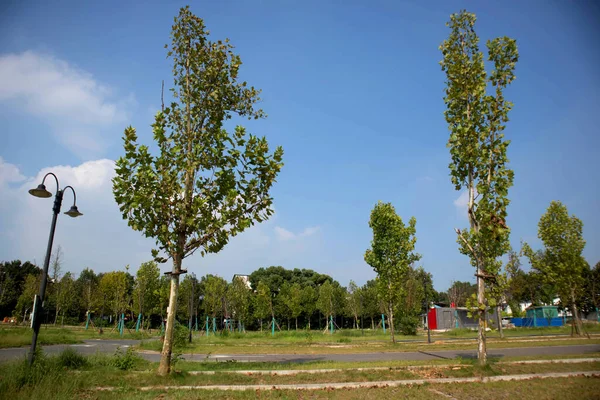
(90,347)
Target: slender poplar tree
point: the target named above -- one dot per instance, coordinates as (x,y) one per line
(206,184)
(478,149)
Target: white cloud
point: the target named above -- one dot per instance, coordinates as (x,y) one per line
(68,99)
(283,234)
(101,239)
(462,203)
(9,173)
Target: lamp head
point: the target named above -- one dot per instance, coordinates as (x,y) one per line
(73,212)
(40,191)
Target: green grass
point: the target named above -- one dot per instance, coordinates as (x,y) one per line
(70,375)
(186,366)
(17,336)
(318,343)
(591,328)
(576,388)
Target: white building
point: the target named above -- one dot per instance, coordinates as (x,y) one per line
(244,278)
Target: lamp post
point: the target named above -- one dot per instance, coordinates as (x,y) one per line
(73,212)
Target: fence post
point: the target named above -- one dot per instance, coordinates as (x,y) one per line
(122,323)
(383,322)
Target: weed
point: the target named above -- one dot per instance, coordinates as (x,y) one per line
(71,359)
(125,361)
(309,337)
(180,336)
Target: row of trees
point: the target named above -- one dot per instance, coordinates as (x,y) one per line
(293,298)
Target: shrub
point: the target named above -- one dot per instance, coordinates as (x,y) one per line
(344,340)
(125,360)
(71,359)
(409,324)
(309,337)
(180,336)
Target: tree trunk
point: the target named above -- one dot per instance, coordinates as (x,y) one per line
(372,323)
(499,316)
(165,358)
(56,315)
(576,319)
(481,345)
(296,323)
(392,323)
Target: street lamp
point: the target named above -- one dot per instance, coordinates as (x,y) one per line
(73,212)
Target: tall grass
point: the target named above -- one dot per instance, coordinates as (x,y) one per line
(51,377)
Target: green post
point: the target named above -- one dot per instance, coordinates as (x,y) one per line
(331,324)
(196,327)
(122,323)
(87,320)
(162,327)
(139,321)
(455,318)
(273,327)
(214,325)
(207,326)
(383,322)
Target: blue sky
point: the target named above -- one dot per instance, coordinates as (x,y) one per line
(353,90)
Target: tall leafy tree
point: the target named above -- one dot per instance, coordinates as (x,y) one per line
(163,296)
(114,289)
(391,253)
(370,300)
(206,184)
(215,290)
(66,296)
(459,292)
(592,287)
(25,300)
(239,296)
(263,303)
(308,300)
(326,300)
(87,287)
(54,289)
(410,305)
(294,302)
(355,301)
(146,287)
(281,303)
(426,279)
(477,146)
(13,275)
(561,262)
